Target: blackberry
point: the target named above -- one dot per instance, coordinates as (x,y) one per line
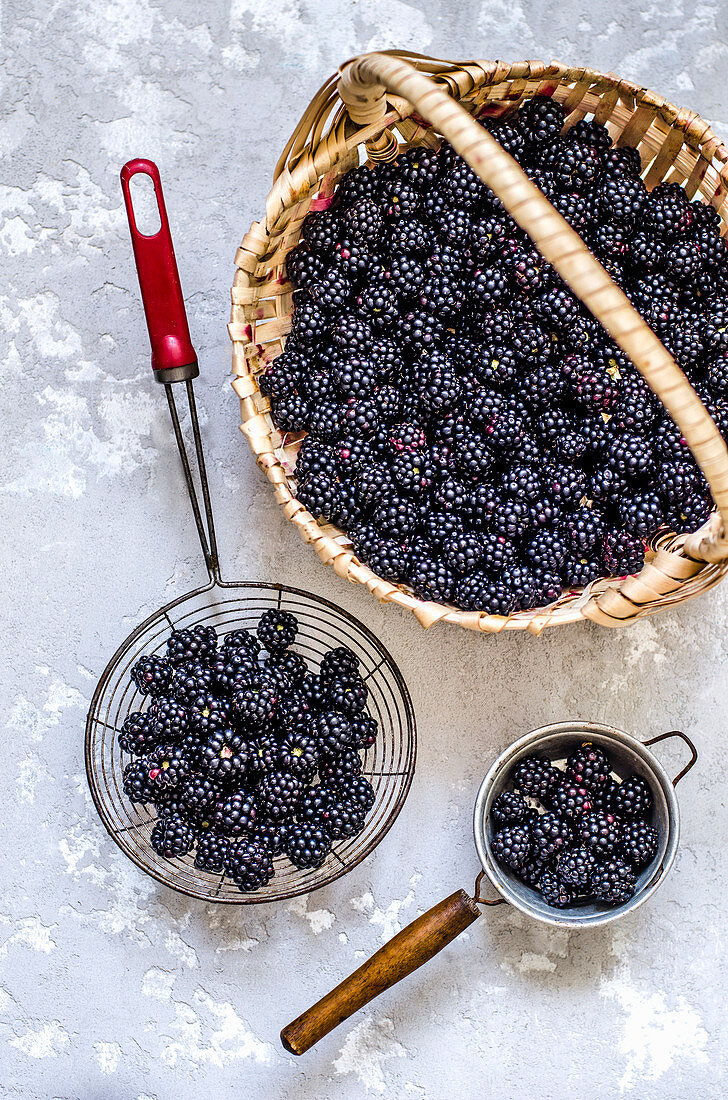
(632,798)
(419,331)
(601,831)
(643,514)
(511,846)
(299,754)
(236,813)
(409,235)
(313,690)
(431,579)
(603,795)
(351,334)
(692,513)
(226,754)
(293,665)
(207,713)
(549,834)
(138,733)
(614,882)
(576,867)
(357,790)
(198,794)
(565,483)
(359,183)
(211,853)
(510,136)
(168,765)
(464,551)
(414,473)
(339,766)
(717,371)
(172,837)
(639,843)
(585,528)
(554,892)
(169,719)
(347,694)
(510,808)
(320,230)
(233,668)
(622,199)
(309,322)
(488,234)
(191,681)
(272,835)
(580,572)
(571,800)
(541,119)
(420,166)
(575,165)
(631,455)
(535,777)
(277,630)
(532,870)
(588,766)
(623,553)
(624,161)
(667,210)
(136,781)
(386,557)
(573,207)
(635,407)
(333,290)
(254,704)
(303,266)
(364,730)
(249,864)
(547,551)
(264,753)
(547,588)
(277,794)
(197,643)
(152,675)
(363,220)
(307,846)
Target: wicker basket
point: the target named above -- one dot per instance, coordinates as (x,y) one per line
(381,103)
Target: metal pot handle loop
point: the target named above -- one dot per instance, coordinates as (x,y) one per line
(683,737)
(480,899)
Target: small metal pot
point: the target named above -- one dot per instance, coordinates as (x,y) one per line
(433,930)
(628,756)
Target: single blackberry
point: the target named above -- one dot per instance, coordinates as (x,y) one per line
(198,794)
(576,866)
(169,718)
(590,132)
(420,166)
(277,794)
(277,630)
(622,199)
(571,800)
(310,321)
(510,136)
(521,583)
(347,694)
(623,553)
(603,795)
(632,798)
(292,664)
(152,675)
(335,767)
(541,119)
(172,837)
(643,514)
(226,755)
(138,733)
(692,513)
(667,210)
(614,882)
(576,166)
(547,551)
(196,643)
(352,334)
(565,483)
(555,892)
(211,853)
(386,557)
(464,551)
(307,846)
(430,578)
(549,834)
(510,808)
(333,289)
(511,846)
(357,790)
(264,753)
(601,831)
(299,754)
(410,235)
(304,266)
(532,870)
(208,713)
(272,835)
(358,183)
(136,781)
(321,230)
(365,730)
(169,766)
(249,864)
(233,668)
(254,704)
(535,777)
(631,455)
(639,843)
(588,766)
(624,161)
(363,220)
(236,813)
(585,528)
(581,571)
(414,473)
(313,690)
(191,681)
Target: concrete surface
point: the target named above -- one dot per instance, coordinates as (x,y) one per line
(110,986)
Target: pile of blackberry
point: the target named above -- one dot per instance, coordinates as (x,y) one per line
(576,835)
(245,753)
(472,428)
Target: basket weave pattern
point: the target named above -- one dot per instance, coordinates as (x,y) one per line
(383,103)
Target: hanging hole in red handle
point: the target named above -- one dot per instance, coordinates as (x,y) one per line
(147,218)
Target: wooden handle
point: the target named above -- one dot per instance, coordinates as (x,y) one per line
(362,87)
(408,950)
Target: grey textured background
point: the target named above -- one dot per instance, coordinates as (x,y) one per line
(109,985)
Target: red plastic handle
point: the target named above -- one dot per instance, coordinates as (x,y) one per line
(173,356)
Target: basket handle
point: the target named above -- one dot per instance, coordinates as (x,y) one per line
(409,949)
(363,87)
